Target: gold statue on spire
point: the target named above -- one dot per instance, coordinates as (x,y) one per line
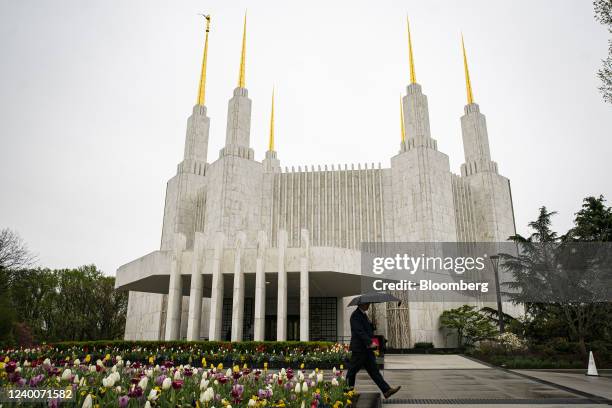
(468,83)
(202,91)
(403,126)
(410,55)
(241,80)
(271,142)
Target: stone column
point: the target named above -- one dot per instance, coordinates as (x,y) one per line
(260,288)
(195,294)
(175,290)
(281,309)
(216,295)
(238,295)
(304,287)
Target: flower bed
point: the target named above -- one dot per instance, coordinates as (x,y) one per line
(114,381)
(254,354)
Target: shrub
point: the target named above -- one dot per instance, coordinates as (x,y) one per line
(423,345)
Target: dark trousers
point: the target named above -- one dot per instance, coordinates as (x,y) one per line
(365,360)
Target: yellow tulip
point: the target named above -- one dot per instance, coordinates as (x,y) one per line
(342,366)
(2,365)
(220,366)
(236,369)
(107,357)
(151,360)
(302,366)
(203,362)
(245,366)
(87,358)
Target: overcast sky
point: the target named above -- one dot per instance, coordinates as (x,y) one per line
(95,95)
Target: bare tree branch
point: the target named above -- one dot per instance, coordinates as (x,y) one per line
(14,253)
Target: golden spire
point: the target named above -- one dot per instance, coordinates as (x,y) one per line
(411,57)
(271,142)
(402,120)
(202,90)
(468,83)
(241,82)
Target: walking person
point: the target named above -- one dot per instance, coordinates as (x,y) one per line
(362,351)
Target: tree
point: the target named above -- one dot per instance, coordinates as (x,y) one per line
(603,14)
(469,325)
(593,223)
(567,278)
(14,253)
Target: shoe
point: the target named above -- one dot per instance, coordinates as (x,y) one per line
(392,391)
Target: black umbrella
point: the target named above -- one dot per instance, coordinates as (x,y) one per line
(373,297)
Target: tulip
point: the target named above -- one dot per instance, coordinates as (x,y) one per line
(67,374)
(177,375)
(334,382)
(123,401)
(76,362)
(144,381)
(147,404)
(166,384)
(319,377)
(297,388)
(88,403)
(304,388)
(152,395)
(204,384)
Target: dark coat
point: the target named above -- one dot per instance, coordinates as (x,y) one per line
(362,332)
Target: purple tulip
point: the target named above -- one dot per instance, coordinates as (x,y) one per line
(123,401)
(34,381)
(159,380)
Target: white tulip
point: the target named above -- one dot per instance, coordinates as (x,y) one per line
(303,404)
(108,382)
(144,381)
(147,404)
(76,379)
(252,403)
(76,362)
(207,395)
(228,373)
(334,382)
(319,377)
(301,376)
(66,374)
(88,403)
(297,388)
(118,389)
(152,395)
(204,384)
(304,388)
(177,375)
(92,369)
(167,383)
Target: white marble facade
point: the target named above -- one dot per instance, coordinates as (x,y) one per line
(237,228)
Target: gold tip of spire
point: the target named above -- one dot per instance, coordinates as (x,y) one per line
(241,79)
(410,55)
(403,126)
(468,83)
(271,142)
(202,90)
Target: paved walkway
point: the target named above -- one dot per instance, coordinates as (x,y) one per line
(600,386)
(452,380)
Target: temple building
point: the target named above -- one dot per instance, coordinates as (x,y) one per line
(254,251)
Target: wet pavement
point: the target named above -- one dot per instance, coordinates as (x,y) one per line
(456,381)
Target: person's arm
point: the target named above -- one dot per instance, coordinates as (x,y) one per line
(357,324)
